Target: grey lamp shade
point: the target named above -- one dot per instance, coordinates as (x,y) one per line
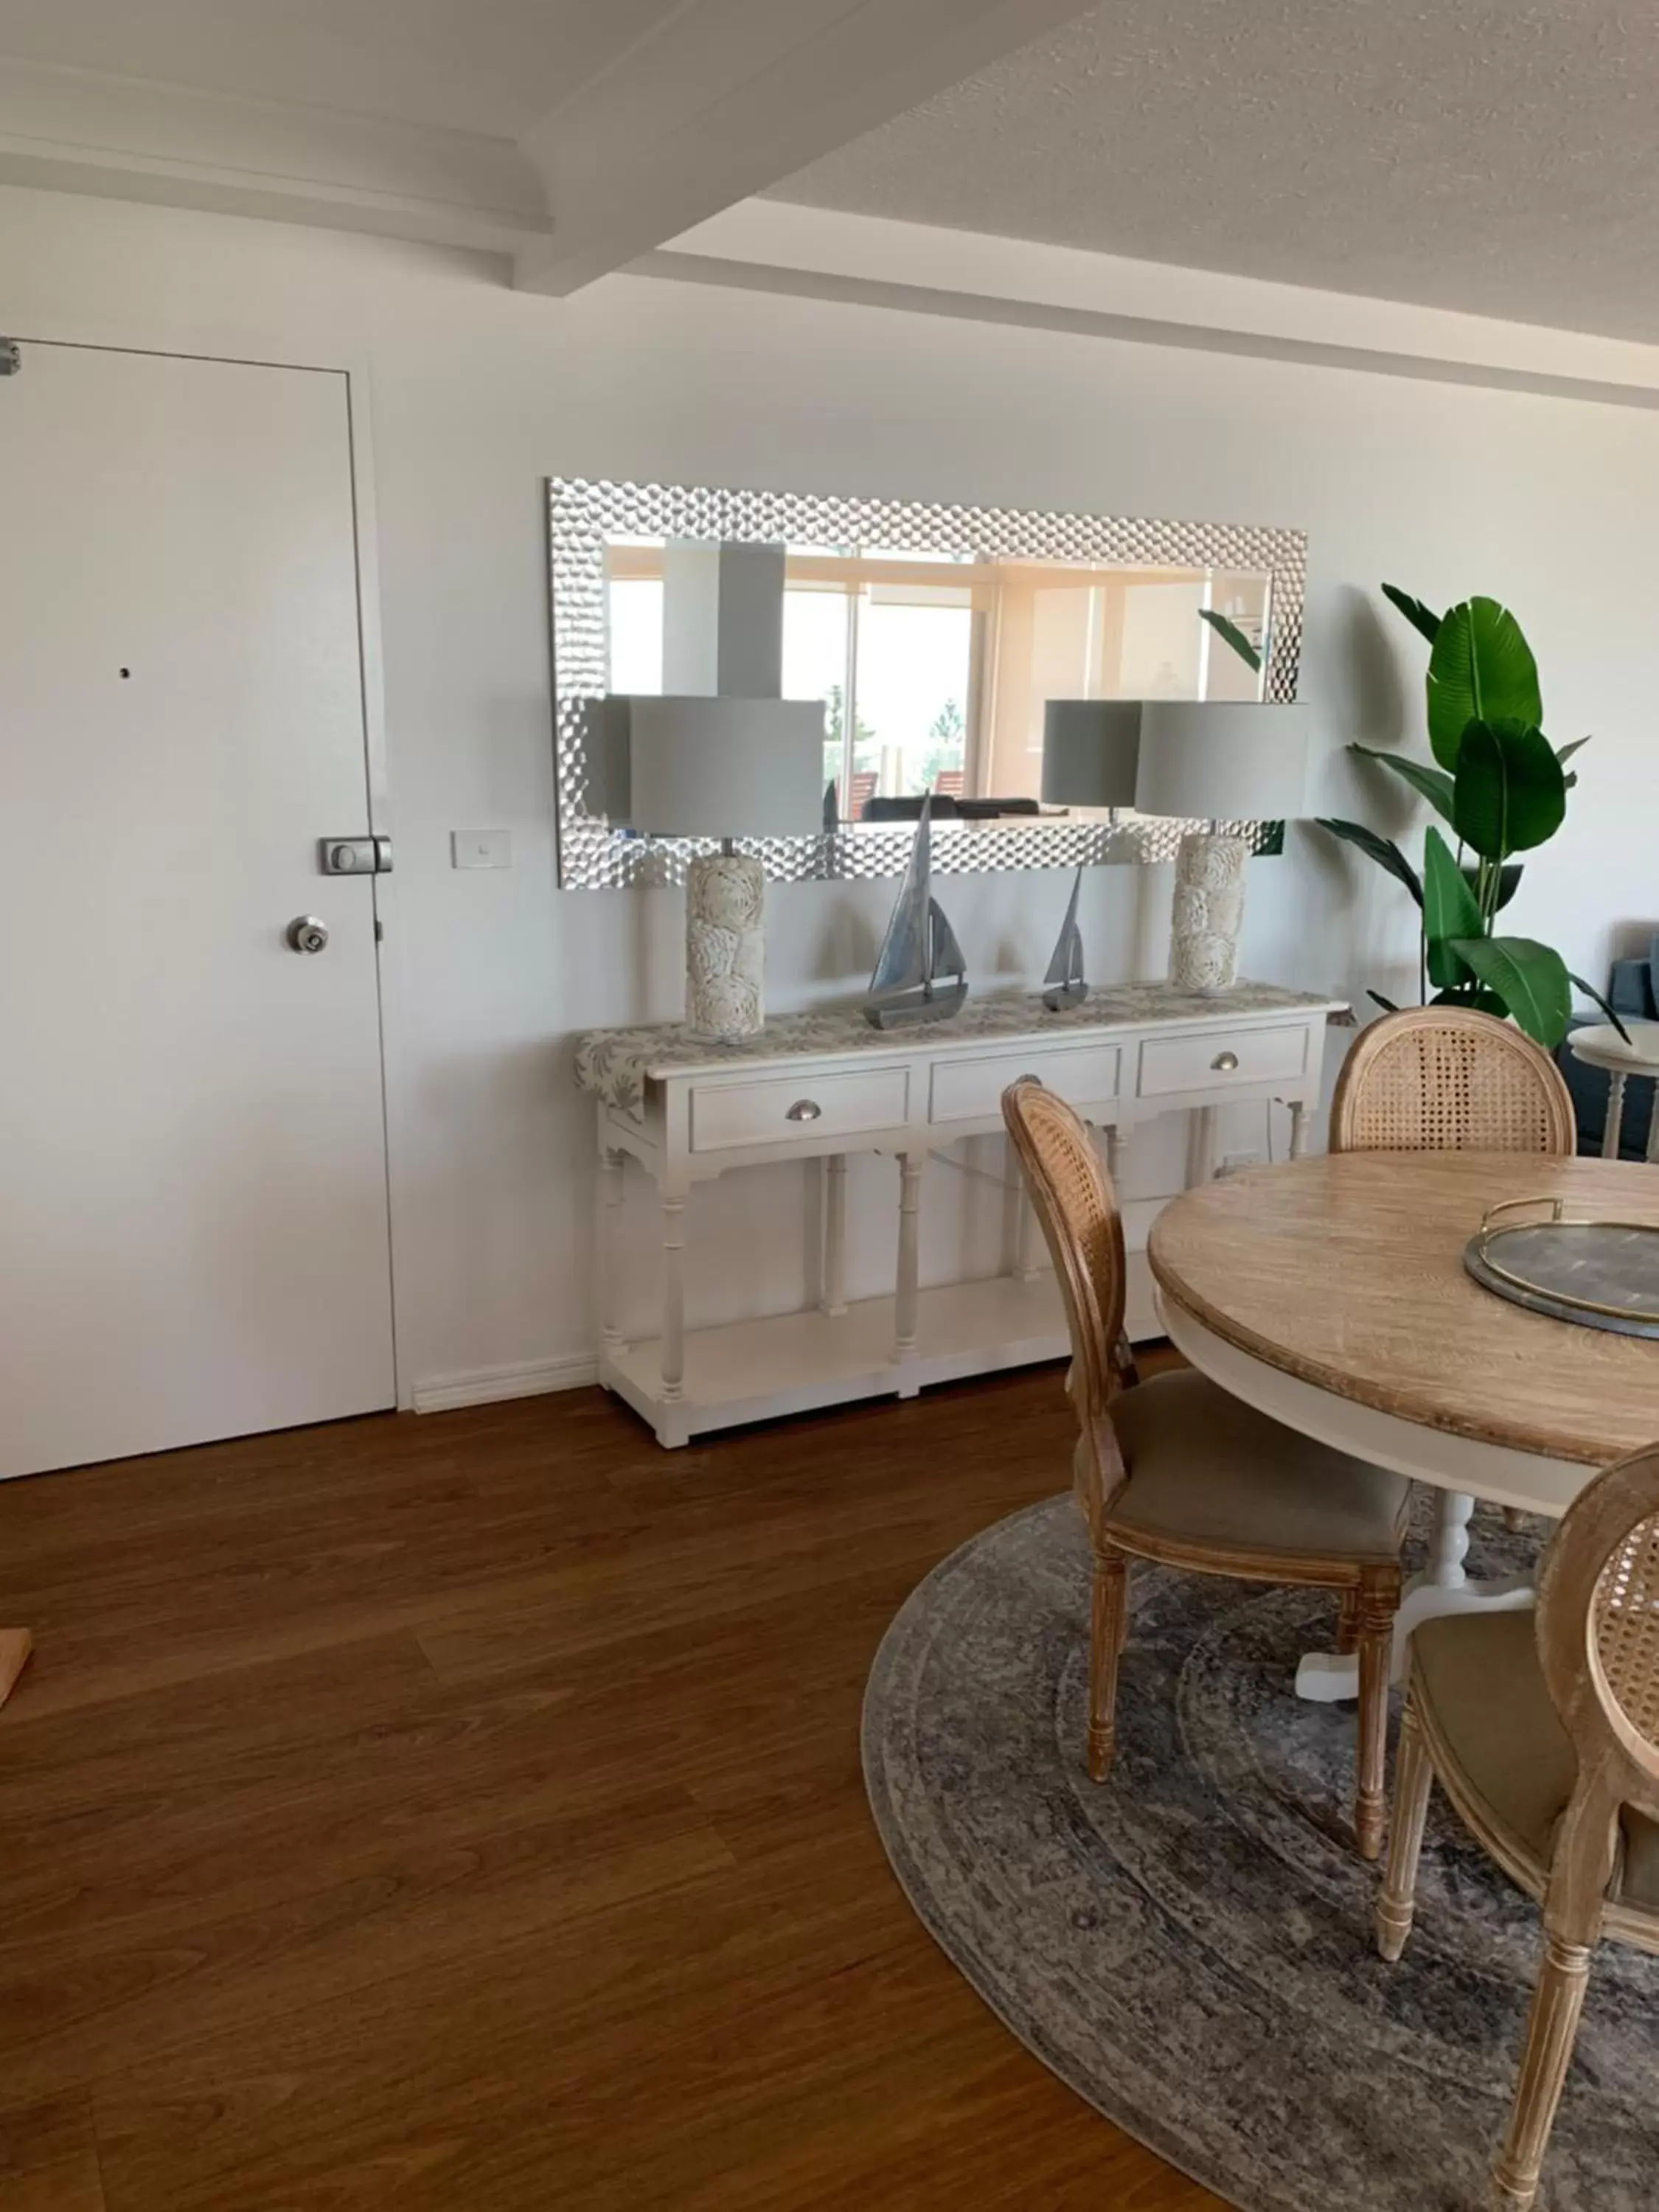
(1091,748)
(1222,760)
(726,768)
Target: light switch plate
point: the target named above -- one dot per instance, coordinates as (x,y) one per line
(480,849)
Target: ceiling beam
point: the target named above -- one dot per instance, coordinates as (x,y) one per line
(124,138)
(725,97)
(875,261)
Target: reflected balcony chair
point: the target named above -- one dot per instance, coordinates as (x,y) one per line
(1175,1470)
(1448,1080)
(1543,1729)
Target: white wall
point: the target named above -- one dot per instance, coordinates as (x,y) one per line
(478,393)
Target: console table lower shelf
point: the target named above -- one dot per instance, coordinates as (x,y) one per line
(790,1363)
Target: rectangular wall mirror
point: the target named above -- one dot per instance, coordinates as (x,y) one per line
(934,638)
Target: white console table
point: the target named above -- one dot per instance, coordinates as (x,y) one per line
(818,1087)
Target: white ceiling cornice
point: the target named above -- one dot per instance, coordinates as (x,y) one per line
(125,138)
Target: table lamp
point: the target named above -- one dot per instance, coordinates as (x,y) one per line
(1215,761)
(1090,751)
(726,768)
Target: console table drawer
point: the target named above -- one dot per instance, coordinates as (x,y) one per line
(728,1115)
(1220,1057)
(971,1089)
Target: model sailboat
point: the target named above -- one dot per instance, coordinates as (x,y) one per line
(1063,985)
(919,950)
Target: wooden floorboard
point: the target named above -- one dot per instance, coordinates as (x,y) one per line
(466,1813)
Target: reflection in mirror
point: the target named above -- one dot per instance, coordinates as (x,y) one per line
(934,671)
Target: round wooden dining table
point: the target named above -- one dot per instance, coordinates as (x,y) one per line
(1331,1294)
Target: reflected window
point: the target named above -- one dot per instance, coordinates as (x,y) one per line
(935,670)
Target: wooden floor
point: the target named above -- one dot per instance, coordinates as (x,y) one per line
(466,1813)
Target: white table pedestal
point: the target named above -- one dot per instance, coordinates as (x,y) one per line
(1326,1677)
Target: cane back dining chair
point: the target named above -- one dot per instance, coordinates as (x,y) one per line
(1173,1469)
(1544,1730)
(1448,1079)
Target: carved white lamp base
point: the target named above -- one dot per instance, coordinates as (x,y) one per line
(724,945)
(1209,906)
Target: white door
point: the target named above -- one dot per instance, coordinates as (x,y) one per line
(193,1237)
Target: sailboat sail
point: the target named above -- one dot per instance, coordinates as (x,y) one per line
(919,948)
(1063,985)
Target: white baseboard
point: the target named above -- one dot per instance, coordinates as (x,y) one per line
(484,1386)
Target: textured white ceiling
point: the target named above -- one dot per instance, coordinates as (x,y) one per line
(491,66)
(1500,157)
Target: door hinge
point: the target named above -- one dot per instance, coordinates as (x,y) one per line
(11,356)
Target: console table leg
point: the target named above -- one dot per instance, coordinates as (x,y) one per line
(909,1282)
(1200,1147)
(1116,1145)
(1614,1131)
(832,1291)
(610,1199)
(673,1298)
(1025,1241)
(1299,1128)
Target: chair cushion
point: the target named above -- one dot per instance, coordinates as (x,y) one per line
(1206,1469)
(1477,1679)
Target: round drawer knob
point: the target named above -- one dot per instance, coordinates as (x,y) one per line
(1225,1062)
(804,1109)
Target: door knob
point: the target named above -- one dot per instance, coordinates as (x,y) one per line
(305,934)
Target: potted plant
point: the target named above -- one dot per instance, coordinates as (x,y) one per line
(1501,788)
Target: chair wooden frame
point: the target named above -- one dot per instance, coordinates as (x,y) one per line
(1597,1628)
(1073,1197)
(1527,1109)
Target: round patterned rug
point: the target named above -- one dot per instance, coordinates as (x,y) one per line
(1189,1945)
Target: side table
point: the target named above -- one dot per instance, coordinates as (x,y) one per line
(1602,1046)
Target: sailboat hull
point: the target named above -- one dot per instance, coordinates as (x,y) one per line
(899,1010)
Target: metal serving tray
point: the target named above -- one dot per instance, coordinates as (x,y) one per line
(1599,1274)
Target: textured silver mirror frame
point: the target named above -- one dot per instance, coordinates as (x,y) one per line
(582,515)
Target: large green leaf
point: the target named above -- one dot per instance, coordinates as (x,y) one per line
(1563,754)
(1233,636)
(1510,793)
(1430,783)
(1449,910)
(1418,616)
(1482,669)
(1590,992)
(1471,994)
(1530,978)
(1383,850)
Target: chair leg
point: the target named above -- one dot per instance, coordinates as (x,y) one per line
(1514,1519)
(1551,2031)
(1347,1623)
(1413,1778)
(1378,1603)
(1111,1614)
